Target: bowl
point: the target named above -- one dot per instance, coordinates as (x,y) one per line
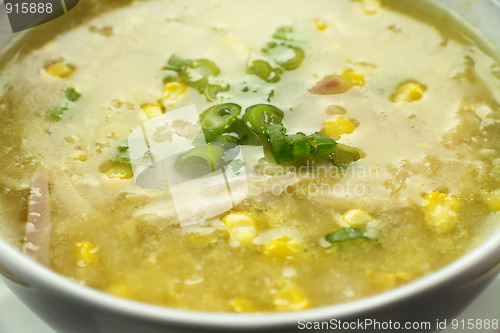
(423,305)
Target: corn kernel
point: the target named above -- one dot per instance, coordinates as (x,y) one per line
(357,218)
(440,212)
(335,127)
(492,199)
(87,253)
(290,298)
(320,25)
(60,69)
(353,78)
(172,91)
(120,170)
(283,247)
(371,6)
(242,305)
(409,92)
(152,110)
(241,226)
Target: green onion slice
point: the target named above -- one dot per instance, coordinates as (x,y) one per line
(301,148)
(211,90)
(175,63)
(220,117)
(210,136)
(321,145)
(278,143)
(284,33)
(245,136)
(201,160)
(256,117)
(195,72)
(346,234)
(287,56)
(264,71)
(342,156)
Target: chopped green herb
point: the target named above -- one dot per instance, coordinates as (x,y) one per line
(61,111)
(346,234)
(270,96)
(72,95)
(122,153)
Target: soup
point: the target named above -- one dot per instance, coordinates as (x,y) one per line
(338,149)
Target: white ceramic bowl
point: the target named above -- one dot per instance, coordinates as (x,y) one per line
(71,308)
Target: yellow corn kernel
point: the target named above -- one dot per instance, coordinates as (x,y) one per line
(492,199)
(353,78)
(440,212)
(371,6)
(356,218)
(335,127)
(320,25)
(242,305)
(283,247)
(241,226)
(60,69)
(152,110)
(172,91)
(119,289)
(290,298)
(410,91)
(87,253)
(120,170)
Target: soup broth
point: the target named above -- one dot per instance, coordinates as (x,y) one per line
(413,104)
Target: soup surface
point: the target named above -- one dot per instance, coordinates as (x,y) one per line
(412,184)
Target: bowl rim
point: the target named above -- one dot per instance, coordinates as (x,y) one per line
(470,265)
(467,267)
